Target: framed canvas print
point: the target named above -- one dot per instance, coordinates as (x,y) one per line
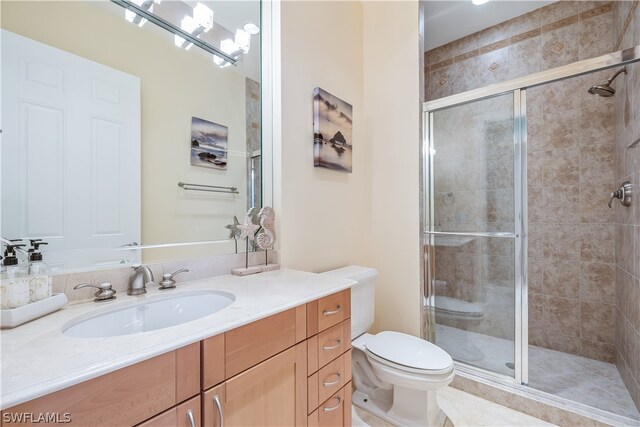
(209,144)
(333,132)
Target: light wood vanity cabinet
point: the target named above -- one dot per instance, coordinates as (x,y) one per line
(291,368)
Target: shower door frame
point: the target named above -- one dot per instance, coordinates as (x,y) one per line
(518,87)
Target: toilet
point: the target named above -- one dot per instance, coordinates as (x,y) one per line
(396,376)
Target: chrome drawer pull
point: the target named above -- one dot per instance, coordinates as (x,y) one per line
(331,312)
(216,400)
(331,347)
(192,421)
(333,408)
(330,383)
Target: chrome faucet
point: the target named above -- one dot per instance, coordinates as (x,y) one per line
(139,280)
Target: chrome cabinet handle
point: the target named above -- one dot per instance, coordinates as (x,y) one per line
(333,408)
(192,421)
(330,383)
(216,400)
(331,347)
(331,312)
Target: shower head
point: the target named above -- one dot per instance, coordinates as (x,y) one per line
(605,88)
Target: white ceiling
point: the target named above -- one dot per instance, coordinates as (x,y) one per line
(449,20)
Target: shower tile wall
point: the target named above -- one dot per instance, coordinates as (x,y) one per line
(570,165)
(627,167)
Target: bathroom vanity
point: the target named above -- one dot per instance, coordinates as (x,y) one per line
(279,355)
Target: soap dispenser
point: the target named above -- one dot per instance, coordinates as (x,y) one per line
(14,280)
(40,280)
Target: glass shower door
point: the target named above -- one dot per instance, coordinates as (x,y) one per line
(472,232)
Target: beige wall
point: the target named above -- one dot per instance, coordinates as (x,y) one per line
(175,85)
(392,123)
(370,217)
(324,214)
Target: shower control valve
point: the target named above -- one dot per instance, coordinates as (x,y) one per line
(623,194)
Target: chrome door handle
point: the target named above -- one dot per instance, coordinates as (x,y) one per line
(216,400)
(192,421)
(330,383)
(331,347)
(331,312)
(333,408)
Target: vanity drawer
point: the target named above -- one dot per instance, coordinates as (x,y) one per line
(125,397)
(328,345)
(328,380)
(335,411)
(328,311)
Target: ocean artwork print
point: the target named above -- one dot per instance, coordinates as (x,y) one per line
(333,132)
(209,144)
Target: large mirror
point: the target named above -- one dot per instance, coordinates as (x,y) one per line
(118,133)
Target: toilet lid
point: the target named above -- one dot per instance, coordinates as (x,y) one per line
(409,351)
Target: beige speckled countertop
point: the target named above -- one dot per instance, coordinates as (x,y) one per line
(37,358)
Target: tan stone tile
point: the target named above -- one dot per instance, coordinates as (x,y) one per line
(597,350)
(597,242)
(561,315)
(535,275)
(536,240)
(561,167)
(624,247)
(597,282)
(596,36)
(559,47)
(561,278)
(560,96)
(557,11)
(593,204)
(562,241)
(525,57)
(561,131)
(559,204)
(597,322)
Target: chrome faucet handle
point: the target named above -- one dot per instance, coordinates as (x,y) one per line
(104,292)
(623,194)
(167,281)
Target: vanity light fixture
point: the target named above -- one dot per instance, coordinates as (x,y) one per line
(251,28)
(137,9)
(243,40)
(133,17)
(479,2)
(200,22)
(230,48)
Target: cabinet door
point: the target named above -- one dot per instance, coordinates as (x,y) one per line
(272,393)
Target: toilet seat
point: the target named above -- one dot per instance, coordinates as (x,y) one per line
(409,354)
(458,308)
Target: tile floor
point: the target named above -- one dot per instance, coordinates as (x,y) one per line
(587,381)
(462,410)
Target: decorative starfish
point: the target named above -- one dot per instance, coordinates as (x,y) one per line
(233,228)
(248,229)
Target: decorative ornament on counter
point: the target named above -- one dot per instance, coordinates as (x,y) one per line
(234,232)
(259,225)
(266,238)
(248,228)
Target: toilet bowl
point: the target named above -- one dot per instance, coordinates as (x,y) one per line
(396,376)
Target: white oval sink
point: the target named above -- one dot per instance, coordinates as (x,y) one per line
(152,314)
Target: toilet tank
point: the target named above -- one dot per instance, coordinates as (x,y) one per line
(362,296)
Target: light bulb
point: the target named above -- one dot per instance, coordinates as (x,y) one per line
(479,2)
(243,39)
(188,24)
(203,16)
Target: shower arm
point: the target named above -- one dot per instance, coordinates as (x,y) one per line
(620,71)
